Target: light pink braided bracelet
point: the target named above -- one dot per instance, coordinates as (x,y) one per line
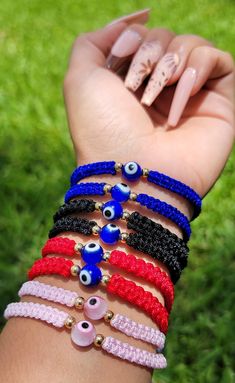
(95,308)
(83,333)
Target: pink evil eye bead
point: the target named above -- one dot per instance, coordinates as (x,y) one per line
(83,333)
(95,308)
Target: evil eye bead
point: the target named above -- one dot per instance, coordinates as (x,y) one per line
(120,192)
(112,210)
(110,234)
(83,333)
(92,253)
(95,308)
(131,171)
(90,275)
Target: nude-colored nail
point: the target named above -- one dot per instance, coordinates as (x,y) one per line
(140,17)
(143,64)
(127,44)
(160,77)
(182,95)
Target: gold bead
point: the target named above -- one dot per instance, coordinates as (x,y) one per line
(145,172)
(125,215)
(106,256)
(75,270)
(133,196)
(78,247)
(105,279)
(99,340)
(118,166)
(124,237)
(107,188)
(96,229)
(69,322)
(108,316)
(98,206)
(79,303)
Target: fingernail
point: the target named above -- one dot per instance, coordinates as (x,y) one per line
(143,64)
(140,17)
(182,95)
(160,77)
(127,44)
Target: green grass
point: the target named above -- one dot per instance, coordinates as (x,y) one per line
(36,158)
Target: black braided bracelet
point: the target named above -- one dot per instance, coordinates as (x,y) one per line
(137,222)
(137,241)
(75,206)
(77,225)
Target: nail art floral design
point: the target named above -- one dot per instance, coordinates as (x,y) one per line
(143,64)
(160,77)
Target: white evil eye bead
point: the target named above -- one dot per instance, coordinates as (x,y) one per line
(83,333)
(131,171)
(90,275)
(112,210)
(95,308)
(120,192)
(92,253)
(110,234)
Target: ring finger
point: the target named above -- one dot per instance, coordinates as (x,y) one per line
(171,66)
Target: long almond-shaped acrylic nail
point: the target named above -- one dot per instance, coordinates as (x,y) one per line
(127,44)
(160,77)
(143,63)
(182,95)
(140,17)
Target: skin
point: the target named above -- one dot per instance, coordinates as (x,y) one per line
(107,122)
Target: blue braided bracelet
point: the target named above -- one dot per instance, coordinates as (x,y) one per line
(154,204)
(132,172)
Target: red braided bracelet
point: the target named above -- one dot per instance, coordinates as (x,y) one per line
(127,262)
(115,284)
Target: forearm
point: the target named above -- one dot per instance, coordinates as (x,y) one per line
(48,355)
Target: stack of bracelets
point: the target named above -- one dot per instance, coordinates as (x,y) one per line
(143,234)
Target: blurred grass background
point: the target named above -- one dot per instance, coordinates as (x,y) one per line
(36,158)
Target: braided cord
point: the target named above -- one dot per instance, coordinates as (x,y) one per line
(138,330)
(133,354)
(74,224)
(52,265)
(148,271)
(50,293)
(141,298)
(89,188)
(96,168)
(45,313)
(167,211)
(177,187)
(145,245)
(75,206)
(59,245)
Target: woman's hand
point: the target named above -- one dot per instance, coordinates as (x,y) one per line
(107,121)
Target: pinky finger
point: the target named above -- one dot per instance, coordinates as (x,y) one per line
(216,65)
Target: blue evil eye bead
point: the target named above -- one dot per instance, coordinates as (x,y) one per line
(110,233)
(131,171)
(112,210)
(120,192)
(90,275)
(92,253)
